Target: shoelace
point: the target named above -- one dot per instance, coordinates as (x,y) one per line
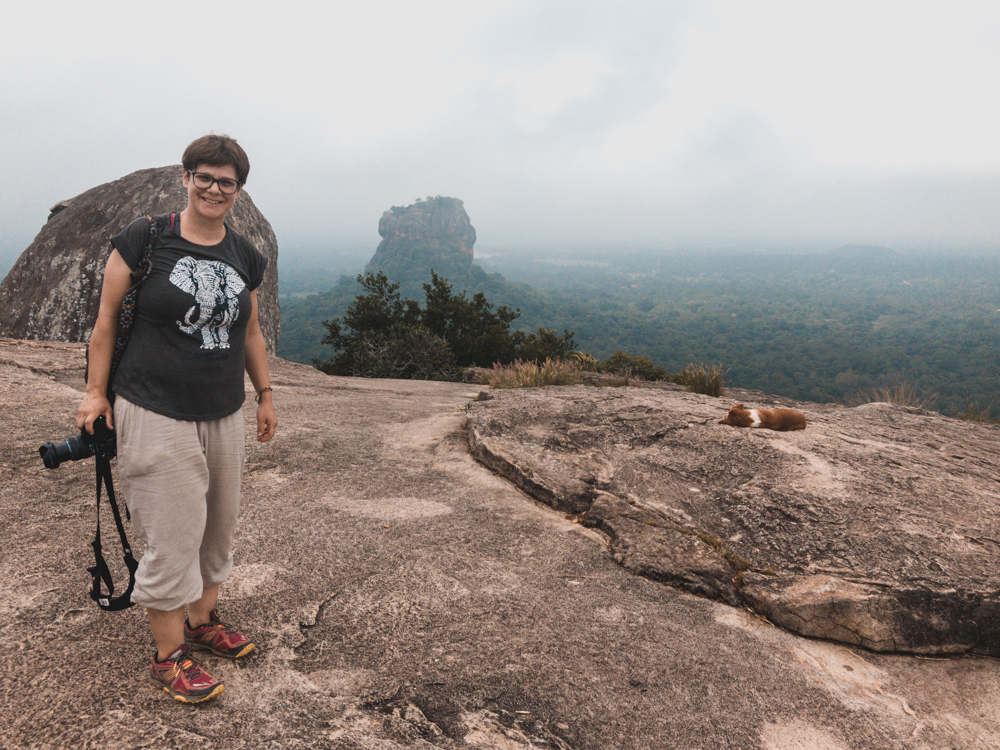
(187,664)
(192,669)
(227,630)
(215,622)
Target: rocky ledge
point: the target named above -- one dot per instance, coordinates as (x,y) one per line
(403,596)
(876,526)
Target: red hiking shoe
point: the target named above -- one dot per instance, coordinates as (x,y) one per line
(217,637)
(183,677)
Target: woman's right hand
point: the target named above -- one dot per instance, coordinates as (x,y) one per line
(93,406)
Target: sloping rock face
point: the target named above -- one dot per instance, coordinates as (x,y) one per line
(877,526)
(435,233)
(402,596)
(53,291)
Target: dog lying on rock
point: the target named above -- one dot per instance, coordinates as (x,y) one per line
(782,420)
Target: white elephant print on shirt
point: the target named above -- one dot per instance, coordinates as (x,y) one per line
(215,287)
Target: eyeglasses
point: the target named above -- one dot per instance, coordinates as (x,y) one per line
(204,181)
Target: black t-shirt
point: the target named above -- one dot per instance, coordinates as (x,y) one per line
(186,354)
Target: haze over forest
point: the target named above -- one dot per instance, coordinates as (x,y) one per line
(626,137)
(835,326)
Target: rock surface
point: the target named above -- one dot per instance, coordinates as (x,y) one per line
(403,596)
(877,526)
(54,289)
(434,233)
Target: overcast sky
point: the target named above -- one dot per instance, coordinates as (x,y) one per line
(647,123)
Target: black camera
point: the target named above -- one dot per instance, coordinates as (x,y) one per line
(101,443)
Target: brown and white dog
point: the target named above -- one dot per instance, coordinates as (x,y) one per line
(769,419)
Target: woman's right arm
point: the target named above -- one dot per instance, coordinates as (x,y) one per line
(117,280)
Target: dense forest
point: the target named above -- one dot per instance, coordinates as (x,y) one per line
(824,327)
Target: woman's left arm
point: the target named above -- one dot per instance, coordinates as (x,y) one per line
(256,358)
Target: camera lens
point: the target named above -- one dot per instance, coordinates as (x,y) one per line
(70,449)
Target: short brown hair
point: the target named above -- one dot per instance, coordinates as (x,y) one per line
(217,151)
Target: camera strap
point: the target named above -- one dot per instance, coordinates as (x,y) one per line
(100,572)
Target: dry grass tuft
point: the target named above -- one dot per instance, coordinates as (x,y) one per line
(586,362)
(699,378)
(618,381)
(739,563)
(973,413)
(901,394)
(520,374)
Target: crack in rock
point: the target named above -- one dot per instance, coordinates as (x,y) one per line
(312,617)
(822,500)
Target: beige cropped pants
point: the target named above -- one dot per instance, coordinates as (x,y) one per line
(181,482)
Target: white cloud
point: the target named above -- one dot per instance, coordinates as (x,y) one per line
(644,121)
(538,93)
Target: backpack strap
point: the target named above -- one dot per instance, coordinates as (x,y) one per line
(144,266)
(126,318)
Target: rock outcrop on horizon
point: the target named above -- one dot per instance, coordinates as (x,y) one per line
(434,233)
(876,526)
(53,290)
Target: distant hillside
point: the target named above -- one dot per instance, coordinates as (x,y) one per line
(302,319)
(435,233)
(432,234)
(302,272)
(822,327)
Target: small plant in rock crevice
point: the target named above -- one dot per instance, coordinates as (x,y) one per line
(520,374)
(973,413)
(901,394)
(740,564)
(701,378)
(635,366)
(587,362)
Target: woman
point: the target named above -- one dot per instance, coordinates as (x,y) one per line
(177,414)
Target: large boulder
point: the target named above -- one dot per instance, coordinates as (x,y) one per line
(54,290)
(435,233)
(875,526)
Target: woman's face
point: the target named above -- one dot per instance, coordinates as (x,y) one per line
(211,202)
